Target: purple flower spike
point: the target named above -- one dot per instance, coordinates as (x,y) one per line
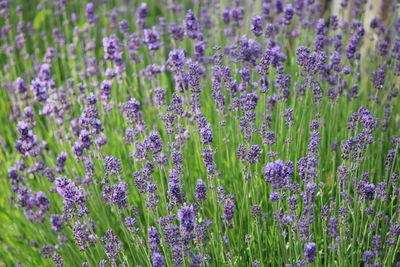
(278,173)
(193,28)
(257,26)
(152,39)
(310,252)
(201,191)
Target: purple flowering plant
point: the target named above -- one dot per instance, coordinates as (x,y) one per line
(199,133)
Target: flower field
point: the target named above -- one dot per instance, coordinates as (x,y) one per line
(199,133)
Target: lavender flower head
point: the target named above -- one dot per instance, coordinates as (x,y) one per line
(201,191)
(152,39)
(112,47)
(257,26)
(112,245)
(310,252)
(278,173)
(192,26)
(186,216)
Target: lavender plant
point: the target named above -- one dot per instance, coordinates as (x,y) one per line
(199,133)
